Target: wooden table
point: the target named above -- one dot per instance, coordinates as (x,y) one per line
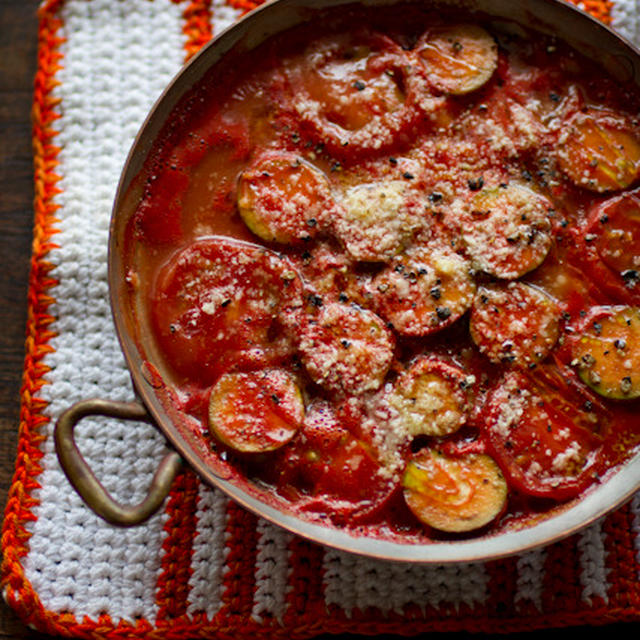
(18,26)
(18,42)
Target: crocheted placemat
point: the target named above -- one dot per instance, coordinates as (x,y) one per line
(204,567)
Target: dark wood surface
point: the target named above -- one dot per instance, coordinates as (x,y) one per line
(18,42)
(18,48)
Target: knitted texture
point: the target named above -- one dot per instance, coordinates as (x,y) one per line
(204,567)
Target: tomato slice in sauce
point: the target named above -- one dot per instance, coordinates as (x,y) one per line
(217,305)
(346,349)
(356,92)
(546,445)
(335,471)
(514,322)
(608,248)
(424,290)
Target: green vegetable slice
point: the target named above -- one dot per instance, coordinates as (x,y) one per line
(431,398)
(599,150)
(377,220)
(283,198)
(507,232)
(454,493)
(607,353)
(458,59)
(257,411)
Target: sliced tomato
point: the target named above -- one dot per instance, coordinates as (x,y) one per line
(220,304)
(335,472)
(431,398)
(545,441)
(330,273)
(454,493)
(599,150)
(607,239)
(606,351)
(616,225)
(345,348)
(424,290)
(355,92)
(608,247)
(514,322)
(458,59)
(256,411)
(283,198)
(506,230)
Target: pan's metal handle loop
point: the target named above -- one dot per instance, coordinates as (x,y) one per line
(84,481)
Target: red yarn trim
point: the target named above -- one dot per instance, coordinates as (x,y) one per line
(197,26)
(307,615)
(245,5)
(562,590)
(622,558)
(600,9)
(177,548)
(502,587)
(306,593)
(239,582)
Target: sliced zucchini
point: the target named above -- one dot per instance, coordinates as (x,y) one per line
(283,198)
(507,231)
(454,494)
(424,290)
(458,59)
(599,151)
(607,353)
(377,220)
(514,322)
(346,349)
(256,412)
(431,398)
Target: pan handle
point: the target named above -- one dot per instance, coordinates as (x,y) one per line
(84,481)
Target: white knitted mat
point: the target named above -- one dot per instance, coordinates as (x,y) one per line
(116,58)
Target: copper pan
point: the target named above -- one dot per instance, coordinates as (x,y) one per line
(591,38)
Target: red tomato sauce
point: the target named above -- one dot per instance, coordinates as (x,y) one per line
(379,249)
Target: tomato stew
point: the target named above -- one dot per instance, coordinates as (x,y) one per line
(393,272)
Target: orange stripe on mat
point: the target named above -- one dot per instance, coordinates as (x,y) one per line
(177,548)
(600,9)
(622,558)
(245,5)
(305,599)
(562,591)
(239,582)
(197,26)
